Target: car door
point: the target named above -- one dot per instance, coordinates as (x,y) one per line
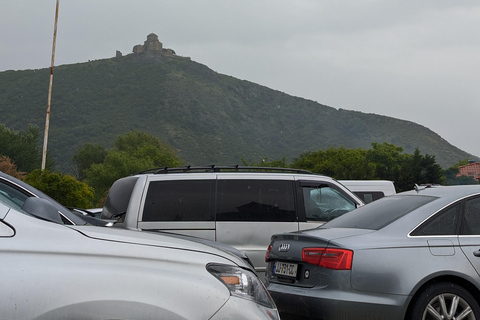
(250,209)
(470,232)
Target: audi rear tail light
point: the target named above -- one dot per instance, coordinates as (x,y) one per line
(267,254)
(331,258)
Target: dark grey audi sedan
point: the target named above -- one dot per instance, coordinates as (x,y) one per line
(414,255)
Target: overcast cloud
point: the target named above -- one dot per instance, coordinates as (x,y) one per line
(413,60)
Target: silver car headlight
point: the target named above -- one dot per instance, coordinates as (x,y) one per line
(242,283)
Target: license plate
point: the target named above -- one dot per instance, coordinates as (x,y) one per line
(285,269)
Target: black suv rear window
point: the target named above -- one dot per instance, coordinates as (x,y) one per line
(379,213)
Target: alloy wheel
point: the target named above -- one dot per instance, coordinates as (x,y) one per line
(448,306)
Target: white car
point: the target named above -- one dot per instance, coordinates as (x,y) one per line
(370,190)
(51,270)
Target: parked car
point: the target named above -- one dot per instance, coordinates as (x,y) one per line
(413,255)
(238,206)
(51,270)
(370,190)
(19,191)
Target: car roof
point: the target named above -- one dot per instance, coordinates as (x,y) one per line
(228,169)
(232,171)
(268,175)
(422,202)
(448,193)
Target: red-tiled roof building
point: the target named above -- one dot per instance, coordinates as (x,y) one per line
(472,170)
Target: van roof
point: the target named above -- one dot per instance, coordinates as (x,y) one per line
(367,182)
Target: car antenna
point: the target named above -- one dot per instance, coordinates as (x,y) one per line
(418,188)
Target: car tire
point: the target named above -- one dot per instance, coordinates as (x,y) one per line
(428,305)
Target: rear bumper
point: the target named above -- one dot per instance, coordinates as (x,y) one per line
(311,303)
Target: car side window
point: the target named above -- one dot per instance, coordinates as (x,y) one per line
(325,203)
(368,197)
(256,200)
(180,200)
(16,197)
(471,219)
(442,224)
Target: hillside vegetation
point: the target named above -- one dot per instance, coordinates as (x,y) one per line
(208,117)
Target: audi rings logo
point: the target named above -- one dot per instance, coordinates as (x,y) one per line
(284,247)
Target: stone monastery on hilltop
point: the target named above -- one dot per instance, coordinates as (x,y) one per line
(150,47)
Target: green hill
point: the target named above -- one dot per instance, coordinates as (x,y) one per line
(208,117)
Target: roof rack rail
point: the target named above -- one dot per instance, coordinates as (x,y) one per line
(214,168)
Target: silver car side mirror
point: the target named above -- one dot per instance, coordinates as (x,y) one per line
(43,209)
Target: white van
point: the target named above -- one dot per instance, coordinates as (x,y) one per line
(370,190)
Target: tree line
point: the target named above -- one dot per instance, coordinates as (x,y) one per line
(95,167)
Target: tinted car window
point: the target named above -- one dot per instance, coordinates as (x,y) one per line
(380,213)
(255,200)
(368,197)
(15,197)
(471,223)
(181,200)
(443,223)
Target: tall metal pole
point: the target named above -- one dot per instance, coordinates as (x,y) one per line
(47,121)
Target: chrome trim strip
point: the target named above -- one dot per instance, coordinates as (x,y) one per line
(432,236)
(19,186)
(66,218)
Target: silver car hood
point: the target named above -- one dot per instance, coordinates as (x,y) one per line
(155,239)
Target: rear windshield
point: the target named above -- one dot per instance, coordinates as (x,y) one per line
(379,213)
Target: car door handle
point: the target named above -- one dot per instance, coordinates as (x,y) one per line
(476,253)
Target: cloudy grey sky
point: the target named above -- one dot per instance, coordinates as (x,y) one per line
(408,59)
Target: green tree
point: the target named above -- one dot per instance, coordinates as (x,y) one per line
(116,165)
(63,188)
(143,145)
(133,152)
(387,159)
(87,155)
(383,161)
(339,163)
(23,148)
(282,163)
(461,163)
(431,172)
(418,169)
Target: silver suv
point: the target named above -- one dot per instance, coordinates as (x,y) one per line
(54,270)
(238,206)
